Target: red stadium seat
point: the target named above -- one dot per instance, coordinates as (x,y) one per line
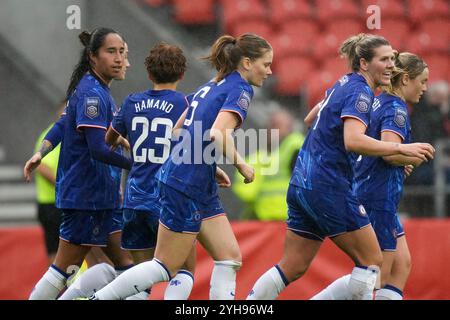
(285,10)
(329,10)
(439,66)
(432,36)
(395,31)
(237,11)
(328,43)
(317,84)
(332,70)
(291,74)
(420,10)
(295,37)
(285,44)
(258,27)
(194,12)
(389,8)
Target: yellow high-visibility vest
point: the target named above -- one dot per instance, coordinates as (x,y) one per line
(265,197)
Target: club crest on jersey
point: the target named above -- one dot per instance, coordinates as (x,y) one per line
(362,210)
(363,103)
(92,107)
(244,100)
(400,117)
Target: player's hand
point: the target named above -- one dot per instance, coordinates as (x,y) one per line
(248,172)
(31,165)
(223,180)
(408,170)
(423,151)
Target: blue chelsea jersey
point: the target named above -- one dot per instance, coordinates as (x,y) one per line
(323,163)
(191,166)
(82,182)
(147,118)
(377,183)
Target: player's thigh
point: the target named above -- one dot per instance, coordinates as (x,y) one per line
(298,254)
(96,256)
(142,255)
(218,239)
(69,254)
(115,253)
(361,246)
(173,248)
(191,260)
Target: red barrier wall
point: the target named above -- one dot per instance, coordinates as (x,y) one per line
(23,261)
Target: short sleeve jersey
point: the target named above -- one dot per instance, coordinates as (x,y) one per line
(82,182)
(376,180)
(192,164)
(147,118)
(323,163)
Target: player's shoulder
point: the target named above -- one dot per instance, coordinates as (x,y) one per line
(389,101)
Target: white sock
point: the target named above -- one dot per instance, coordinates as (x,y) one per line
(362,283)
(338,290)
(180,286)
(90,281)
(389,293)
(121,270)
(144,295)
(269,285)
(223,280)
(50,285)
(134,280)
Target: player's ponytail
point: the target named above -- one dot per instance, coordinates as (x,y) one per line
(227,52)
(91,43)
(361,46)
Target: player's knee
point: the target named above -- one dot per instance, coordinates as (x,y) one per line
(293,271)
(236,265)
(374,259)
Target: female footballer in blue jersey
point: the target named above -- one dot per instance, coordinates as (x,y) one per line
(101,270)
(320,199)
(378,182)
(147,118)
(190,204)
(87,189)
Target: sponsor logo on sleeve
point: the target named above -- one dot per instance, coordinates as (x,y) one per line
(363,103)
(376,104)
(92,107)
(400,117)
(244,100)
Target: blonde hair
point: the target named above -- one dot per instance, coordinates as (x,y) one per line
(361,46)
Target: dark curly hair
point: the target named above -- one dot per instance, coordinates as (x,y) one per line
(166,63)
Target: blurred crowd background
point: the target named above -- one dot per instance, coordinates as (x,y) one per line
(38,52)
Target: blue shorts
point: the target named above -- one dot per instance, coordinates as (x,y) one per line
(387,227)
(117,221)
(180,213)
(86,227)
(140,229)
(316,215)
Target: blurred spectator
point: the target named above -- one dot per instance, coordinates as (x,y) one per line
(265,198)
(430,121)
